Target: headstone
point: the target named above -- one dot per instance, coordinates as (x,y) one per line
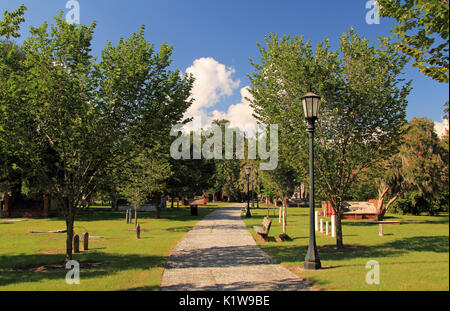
(76,244)
(333,225)
(316,221)
(321,225)
(381,230)
(86,241)
(138,231)
(327,232)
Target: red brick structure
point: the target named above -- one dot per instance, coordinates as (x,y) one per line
(369,213)
(26,208)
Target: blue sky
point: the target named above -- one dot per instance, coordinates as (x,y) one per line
(225,33)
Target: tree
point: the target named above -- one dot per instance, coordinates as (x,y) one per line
(363,110)
(423,168)
(143,176)
(13,170)
(87,115)
(283,182)
(390,182)
(423,33)
(226,171)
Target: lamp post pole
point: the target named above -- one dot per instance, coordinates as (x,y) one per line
(311,104)
(248,170)
(312,260)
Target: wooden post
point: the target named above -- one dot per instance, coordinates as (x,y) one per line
(76,243)
(381,230)
(333,225)
(327,230)
(316,225)
(321,225)
(86,241)
(126,217)
(138,231)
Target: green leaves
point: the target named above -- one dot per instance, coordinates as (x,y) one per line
(423,33)
(10,25)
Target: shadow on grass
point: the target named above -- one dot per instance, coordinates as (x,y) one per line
(432,220)
(437,244)
(144,289)
(16,269)
(180,214)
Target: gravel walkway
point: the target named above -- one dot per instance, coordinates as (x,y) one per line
(220,254)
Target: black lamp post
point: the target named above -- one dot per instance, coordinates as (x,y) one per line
(248,169)
(311,105)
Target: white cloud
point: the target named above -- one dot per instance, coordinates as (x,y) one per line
(441,128)
(239,115)
(213,81)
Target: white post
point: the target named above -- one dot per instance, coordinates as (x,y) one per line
(333,225)
(321,225)
(317,221)
(327,228)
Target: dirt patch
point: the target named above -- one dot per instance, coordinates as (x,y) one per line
(54,267)
(142,230)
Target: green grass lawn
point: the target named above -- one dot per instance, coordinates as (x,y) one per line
(412,256)
(118,261)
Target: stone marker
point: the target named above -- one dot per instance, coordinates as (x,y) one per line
(381,230)
(317,221)
(76,244)
(138,231)
(321,225)
(333,225)
(86,241)
(327,232)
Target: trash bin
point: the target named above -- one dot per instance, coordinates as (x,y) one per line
(194,210)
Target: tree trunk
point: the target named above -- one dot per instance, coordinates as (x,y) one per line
(339,239)
(280,214)
(70,219)
(382,210)
(284,216)
(157,203)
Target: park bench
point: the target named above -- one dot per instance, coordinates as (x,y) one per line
(381,223)
(263,230)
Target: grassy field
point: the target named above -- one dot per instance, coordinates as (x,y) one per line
(118,261)
(412,256)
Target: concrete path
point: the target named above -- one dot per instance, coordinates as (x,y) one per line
(219,254)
